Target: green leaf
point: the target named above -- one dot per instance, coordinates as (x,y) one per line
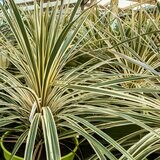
(102,134)
(28,155)
(99,148)
(50,135)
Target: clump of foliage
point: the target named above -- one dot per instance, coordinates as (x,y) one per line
(81,74)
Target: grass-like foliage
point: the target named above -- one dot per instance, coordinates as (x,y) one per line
(81,74)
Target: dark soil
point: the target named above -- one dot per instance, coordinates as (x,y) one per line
(9,146)
(66,146)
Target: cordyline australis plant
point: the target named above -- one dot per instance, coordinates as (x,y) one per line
(60,90)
